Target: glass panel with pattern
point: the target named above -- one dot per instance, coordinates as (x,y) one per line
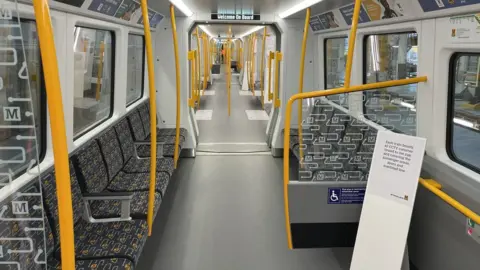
(464,112)
(135,68)
(93,78)
(391,57)
(22,99)
(335,63)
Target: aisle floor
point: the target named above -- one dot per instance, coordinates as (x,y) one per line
(226,213)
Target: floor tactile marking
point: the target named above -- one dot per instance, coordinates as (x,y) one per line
(256,115)
(209,93)
(249,93)
(204,115)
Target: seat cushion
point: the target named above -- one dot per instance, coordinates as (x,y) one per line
(168,150)
(138,206)
(138,182)
(135,165)
(123,239)
(167,139)
(97,264)
(172,132)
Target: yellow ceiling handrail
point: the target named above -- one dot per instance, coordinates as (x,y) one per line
(435,188)
(177,77)
(153,115)
(57,126)
(288,120)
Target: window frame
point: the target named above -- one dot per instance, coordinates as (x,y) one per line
(112,96)
(364,75)
(451,109)
(325,76)
(143,67)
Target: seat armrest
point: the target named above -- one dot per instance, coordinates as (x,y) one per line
(124,197)
(160,146)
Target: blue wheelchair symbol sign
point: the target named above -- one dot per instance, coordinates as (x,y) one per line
(334,195)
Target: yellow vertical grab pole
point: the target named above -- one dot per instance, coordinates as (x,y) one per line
(205,61)
(191,100)
(262,68)
(229,68)
(100,71)
(300,81)
(153,115)
(253,63)
(248,61)
(278,58)
(271,56)
(351,43)
(57,126)
(198,60)
(197,74)
(177,77)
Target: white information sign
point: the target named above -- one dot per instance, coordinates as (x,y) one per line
(388,205)
(465,28)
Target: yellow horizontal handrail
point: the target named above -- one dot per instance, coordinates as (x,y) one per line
(288,120)
(435,188)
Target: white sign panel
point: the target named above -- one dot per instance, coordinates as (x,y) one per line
(388,205)
(465,28)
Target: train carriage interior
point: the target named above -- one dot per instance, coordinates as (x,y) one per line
(240,134)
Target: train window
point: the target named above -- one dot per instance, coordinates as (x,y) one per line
(135,67)
(391,57)
(464,111)
(93,78)
(335,52)
(22,95)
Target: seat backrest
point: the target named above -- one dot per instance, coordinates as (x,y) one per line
(144,111)
(90,168)
(23,227)
(136,125)
(49,188)
(336,146)
(126,140)
(112,153)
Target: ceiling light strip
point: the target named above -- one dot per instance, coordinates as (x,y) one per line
(298,7)
(182,7)
(255,29)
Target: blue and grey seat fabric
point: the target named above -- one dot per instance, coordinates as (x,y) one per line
(97,245)
(140,124)
(95,177)
(336,146)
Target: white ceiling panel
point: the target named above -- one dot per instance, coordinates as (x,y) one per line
(257,6)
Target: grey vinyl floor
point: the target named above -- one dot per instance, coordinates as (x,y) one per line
(224,212)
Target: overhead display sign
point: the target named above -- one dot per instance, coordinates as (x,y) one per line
(127,10)
(315,24)
(76,3)
(374,10)
(238,17)
(328,20)
(107,7)
(434,5)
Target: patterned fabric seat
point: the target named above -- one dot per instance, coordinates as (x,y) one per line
(140,124)
(94,178)
(337,146)
(120,180)
(97,243)
(97,264)
(131,163)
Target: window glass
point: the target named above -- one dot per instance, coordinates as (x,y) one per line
(335,63)
(392,57)
(93,81)
(21,96)
(464,109)
(135,68)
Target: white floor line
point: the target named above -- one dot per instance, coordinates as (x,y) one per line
(256,115)
(234,143)
(233,154)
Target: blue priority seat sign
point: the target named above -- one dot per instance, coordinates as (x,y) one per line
(348,195)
